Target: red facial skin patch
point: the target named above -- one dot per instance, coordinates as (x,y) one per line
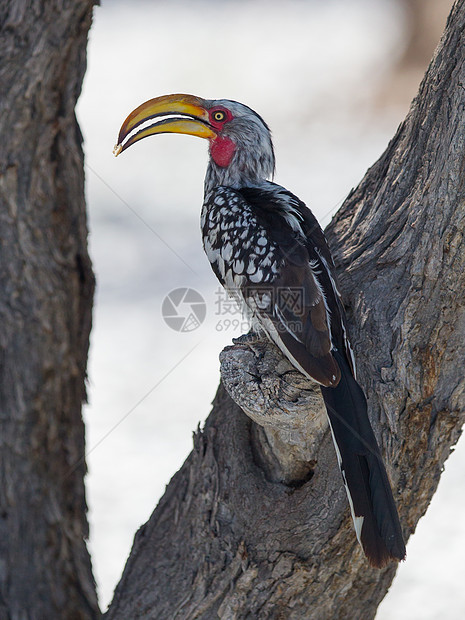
(222,151)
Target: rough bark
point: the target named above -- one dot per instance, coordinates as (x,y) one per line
(46,288)
(240,535)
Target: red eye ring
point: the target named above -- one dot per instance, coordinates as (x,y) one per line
(219,115)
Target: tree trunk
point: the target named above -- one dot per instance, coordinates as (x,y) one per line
(255,524)
(241,532)
(46,294)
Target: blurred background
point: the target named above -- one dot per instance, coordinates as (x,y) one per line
(333,79)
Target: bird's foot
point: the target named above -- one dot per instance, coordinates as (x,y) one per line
(249,338)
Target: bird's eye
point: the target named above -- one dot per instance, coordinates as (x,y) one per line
(219,116)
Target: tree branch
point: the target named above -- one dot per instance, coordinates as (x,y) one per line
(256,522)
(288,408)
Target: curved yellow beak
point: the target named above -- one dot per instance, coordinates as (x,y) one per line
(186,115)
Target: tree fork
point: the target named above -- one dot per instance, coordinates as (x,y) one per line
(233,537)
(255,524)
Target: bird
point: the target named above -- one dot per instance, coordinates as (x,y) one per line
(269,252)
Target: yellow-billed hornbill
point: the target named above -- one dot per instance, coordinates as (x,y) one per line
(265,245)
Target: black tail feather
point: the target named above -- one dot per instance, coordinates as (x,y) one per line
(369,491)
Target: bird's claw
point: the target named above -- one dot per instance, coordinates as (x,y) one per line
(249,338)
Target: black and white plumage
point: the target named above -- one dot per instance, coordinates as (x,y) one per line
(268,251)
